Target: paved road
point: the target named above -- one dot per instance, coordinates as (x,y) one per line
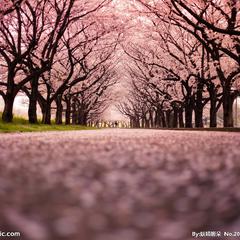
(119,184)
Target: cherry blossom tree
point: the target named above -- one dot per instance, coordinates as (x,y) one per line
(215,25)
(8,6)
(93,98)
(35,45)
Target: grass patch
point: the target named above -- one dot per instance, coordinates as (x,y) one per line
(21,124)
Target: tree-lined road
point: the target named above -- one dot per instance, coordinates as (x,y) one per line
(119,184)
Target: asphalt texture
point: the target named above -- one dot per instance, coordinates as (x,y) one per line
(119,184)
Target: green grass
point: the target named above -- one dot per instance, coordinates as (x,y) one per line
(20,124)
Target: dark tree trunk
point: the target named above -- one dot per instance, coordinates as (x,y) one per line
(175,118)
(143,122)
(137,122)
(189,105)
(47,113)
(198,117)
(59,112)
(168,119)
(227,108)
(84,122)
(163,119)
(68,112)
(32,109)
(82,118)
(157,121)
(180,118)
(79,117)
(227,98)
(213,117)
(11,93)
(147,123)
(199,106)
(213,107)
(151,119)
(188,116)
(74,112)
(7,115)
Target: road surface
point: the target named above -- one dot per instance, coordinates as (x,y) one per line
(119,184)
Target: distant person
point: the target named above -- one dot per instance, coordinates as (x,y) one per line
(116,124)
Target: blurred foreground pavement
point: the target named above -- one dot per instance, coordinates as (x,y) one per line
(119,184)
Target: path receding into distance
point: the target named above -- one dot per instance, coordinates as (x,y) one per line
(119,184)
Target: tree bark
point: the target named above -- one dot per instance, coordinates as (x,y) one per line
(68,111)
(11,93)
(32,109)
(213,109)
(7,115)
(198,110)
(74,112)
(47,114)
(151,119)
(188,116)
(163,119)
(59,112)
(147,123)
(213,117)
(227,108)
(175,118)
(137,122)
(198,117)
(143,125)
(157,119)
(168,119)
(84,122)
(180,118)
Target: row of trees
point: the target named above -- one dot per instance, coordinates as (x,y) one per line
(60,53)
(189,59)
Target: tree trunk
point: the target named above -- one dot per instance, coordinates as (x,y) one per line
(79,117)
(143,125)
(213,105)
(168,119)
(188,116)
(213,117)
(198,117)
(157,119)
(227,108)
(74,112)
(213,111)
(180,118)
(147,123)
(151,119)
(68,112)
(82,117)
(7,115)
(84,122)
(163,119)
(138,122)
(11,93)
(59,112)
(47,114)
(227,99)
(198,110)
(175,118)
(32,109)
(131,122)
